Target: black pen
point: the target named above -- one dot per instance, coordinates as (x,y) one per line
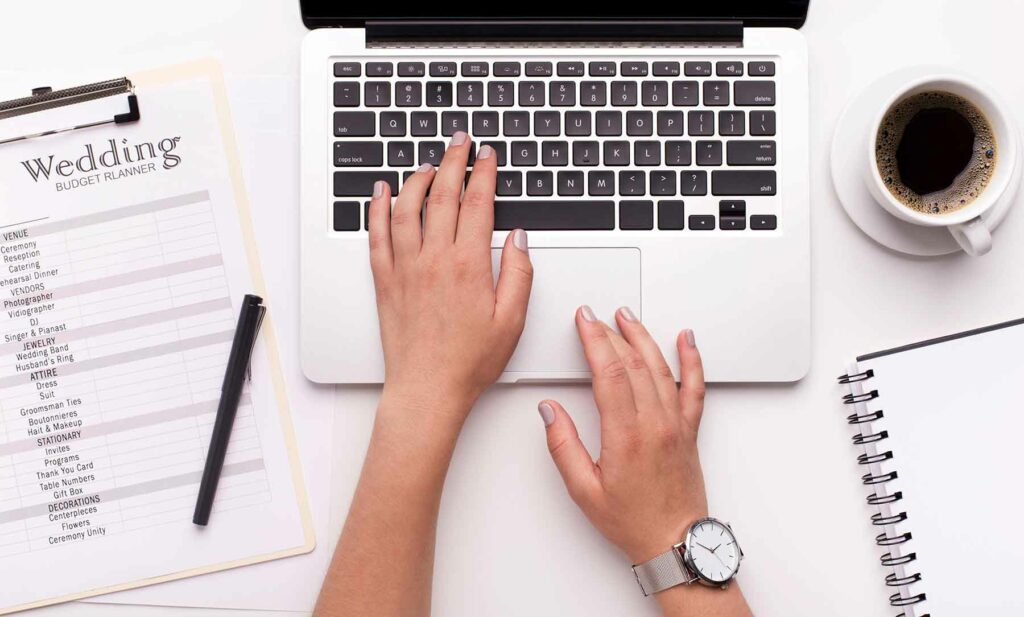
(249,320)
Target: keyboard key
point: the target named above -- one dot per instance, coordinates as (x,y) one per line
(677,153)
(762,123)
(516,123)
(751,153)
(761,93)
(360,183)
(663,183)
(693,182)
(728,68)
(454,121)
(742,182)
(509,184)
(632,182)
(616,153)
(639,123)
(570,184)
(346,94)
(700,123)
(654,93)
(562,93)
(685,93)
(366,215)
(708,153)
(733,223)
(633,69)
(401,153)
(601,69)
(439,94)
(379,69)
(624,93)
(346,216)
(577,123)
(500,151)
(609,123)
(540,183)
(358,154)
(570,69)
(671,215)
(377,93)
(475,69)
(470,93)
(430,152)
(554,153)
(524,153)
(586,153)
(559,214)
(424,123)
(647,153)
(392,124)
(763,221)
(507,69)
(531,93)
(670,123)
(409,94)
(600,183)
(761,69)
(716,93)
(538,69)
(347,69)
(732,207)
(593,94)
(443,69)
(636,215)
(702,222)
(547,123)
(501,94)
(731,123)
(354,123)
(485,124)
(665,69)
(697,69)
(411,69)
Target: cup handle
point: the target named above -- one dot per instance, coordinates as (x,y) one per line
(973,236)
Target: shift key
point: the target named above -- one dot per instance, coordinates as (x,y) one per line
(742,182)
(360,183)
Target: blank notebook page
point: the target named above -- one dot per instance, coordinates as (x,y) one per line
(954,411)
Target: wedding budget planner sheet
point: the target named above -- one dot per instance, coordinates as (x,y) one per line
(124,253)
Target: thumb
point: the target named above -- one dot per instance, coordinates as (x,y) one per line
(515,280)
(570,455)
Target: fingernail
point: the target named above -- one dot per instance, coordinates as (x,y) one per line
(628,314)
(547,413)
(588,314)
(425,168)
(689,338)
(378,188)
(519,240)
(485,152)
(459,138)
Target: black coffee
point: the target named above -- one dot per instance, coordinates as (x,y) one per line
(935,151)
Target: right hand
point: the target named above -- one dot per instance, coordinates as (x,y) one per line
(646,488)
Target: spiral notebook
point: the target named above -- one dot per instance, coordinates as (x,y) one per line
(939,432)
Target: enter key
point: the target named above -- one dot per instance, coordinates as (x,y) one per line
(751,152)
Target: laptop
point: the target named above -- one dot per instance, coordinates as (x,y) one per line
(656,157)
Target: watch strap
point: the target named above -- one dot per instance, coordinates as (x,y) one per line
(664,571)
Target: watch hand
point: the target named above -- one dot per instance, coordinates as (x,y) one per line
(703,547)
(716,548)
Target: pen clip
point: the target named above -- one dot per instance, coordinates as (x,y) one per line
(252,344)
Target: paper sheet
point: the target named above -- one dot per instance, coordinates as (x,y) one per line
(125,256)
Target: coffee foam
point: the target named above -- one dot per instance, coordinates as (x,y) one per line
(968,184)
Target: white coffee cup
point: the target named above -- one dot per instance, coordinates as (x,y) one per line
(966,224)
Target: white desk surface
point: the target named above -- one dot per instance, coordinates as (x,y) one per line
(778,461)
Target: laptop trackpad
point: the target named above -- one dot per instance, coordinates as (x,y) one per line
(563,279)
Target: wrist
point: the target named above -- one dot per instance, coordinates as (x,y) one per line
(662,537)
(426,409)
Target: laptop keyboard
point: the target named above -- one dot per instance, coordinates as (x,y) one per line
(637,145)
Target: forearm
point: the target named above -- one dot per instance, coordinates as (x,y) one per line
(383,564)
(696,600)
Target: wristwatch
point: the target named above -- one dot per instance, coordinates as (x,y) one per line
(709,555)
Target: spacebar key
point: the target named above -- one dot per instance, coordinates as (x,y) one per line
(360,183)
(742,182)
(554,215)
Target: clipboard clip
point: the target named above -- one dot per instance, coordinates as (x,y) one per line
(45,98)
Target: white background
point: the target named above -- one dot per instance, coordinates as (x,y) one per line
(777,458)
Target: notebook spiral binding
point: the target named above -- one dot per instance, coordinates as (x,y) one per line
(871,439)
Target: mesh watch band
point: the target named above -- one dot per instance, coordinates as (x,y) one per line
(664,571)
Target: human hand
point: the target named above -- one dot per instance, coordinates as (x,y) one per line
(447,332)
(646,488)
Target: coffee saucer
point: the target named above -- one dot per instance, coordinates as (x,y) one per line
(849,143)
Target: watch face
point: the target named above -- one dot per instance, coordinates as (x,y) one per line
(712,550)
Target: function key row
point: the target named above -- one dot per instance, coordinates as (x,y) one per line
(722,68)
